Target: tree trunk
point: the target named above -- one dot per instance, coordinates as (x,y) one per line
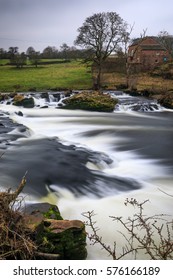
(97,84)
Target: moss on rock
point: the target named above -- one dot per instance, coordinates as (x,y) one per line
(66,238)
(91,101)
(44,210)
(20,100)
(56,236)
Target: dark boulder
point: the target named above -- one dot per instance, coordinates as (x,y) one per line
(43,210)
(19,114)
(166,100)
(20,100)
(45,95)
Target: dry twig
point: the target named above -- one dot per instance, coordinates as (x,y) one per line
(15,242)
(152,234)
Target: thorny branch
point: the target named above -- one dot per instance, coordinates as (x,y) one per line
(151,234)
(96,239)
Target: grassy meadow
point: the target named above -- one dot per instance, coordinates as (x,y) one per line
(68,75)
(58,75)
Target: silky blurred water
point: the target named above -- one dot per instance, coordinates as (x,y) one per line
(86,161)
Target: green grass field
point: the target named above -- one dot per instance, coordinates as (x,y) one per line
(55,75)
(69,75)
(4,61)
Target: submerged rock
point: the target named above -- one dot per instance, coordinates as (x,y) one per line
(43,210)
(19,113)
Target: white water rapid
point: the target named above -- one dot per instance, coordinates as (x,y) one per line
(134,149)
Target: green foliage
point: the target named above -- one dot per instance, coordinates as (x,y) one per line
(68,243)
(53,213)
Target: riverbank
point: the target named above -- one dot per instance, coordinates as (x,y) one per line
(163,96)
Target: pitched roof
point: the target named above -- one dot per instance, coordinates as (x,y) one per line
(152,47)
(156,45)
(135,42)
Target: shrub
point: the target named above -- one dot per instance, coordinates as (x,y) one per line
(15,242)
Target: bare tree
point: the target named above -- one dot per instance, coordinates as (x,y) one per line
(33,56)
(167,41)
(101,35)
(18,59)
(131,72)
(65,50)
(13,50)
(30,51)
(50,52)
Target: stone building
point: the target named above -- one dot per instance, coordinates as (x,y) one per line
(147,53)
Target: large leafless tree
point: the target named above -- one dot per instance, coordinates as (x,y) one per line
(101,34)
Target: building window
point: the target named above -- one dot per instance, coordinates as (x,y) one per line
(132,53)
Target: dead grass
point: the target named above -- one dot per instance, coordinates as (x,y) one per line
(15,242)
(113,79)
(144,82)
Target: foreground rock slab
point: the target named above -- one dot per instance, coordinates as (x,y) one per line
(56,238)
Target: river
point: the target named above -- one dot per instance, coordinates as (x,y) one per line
(85,161)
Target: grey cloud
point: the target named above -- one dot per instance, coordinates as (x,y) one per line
(56,21)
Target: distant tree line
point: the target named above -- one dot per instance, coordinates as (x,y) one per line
(20,59)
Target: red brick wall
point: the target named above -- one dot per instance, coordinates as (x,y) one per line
(151,58)
(148,59)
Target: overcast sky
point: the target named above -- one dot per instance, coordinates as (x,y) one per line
(42,23)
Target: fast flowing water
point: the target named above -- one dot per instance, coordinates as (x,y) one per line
(86,161)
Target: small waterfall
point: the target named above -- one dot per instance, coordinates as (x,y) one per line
(138,107)
(49,99)
(126,103)
(135,103)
